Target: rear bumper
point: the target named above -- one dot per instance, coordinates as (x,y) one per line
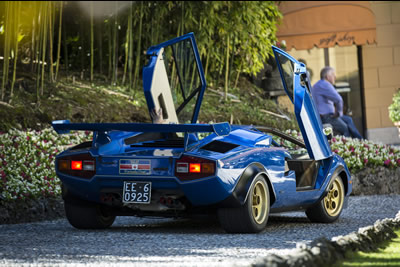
(202,192)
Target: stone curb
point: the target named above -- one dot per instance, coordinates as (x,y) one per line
(323,252)
(31,210)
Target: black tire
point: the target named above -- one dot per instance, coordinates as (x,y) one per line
(252,217)
(86,215)
(328,209)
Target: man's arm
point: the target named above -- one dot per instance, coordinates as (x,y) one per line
(331,94)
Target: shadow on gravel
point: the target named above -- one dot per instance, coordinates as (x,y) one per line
(188,226)
(198,226)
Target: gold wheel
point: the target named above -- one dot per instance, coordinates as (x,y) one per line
(259,202)
(333,202)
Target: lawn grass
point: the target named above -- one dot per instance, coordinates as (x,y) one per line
(388,255)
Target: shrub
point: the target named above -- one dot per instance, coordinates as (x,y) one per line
(27,162)
(394,108)
(359,154)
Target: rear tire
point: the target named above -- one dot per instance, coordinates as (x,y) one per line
(330,207)
(252,217)
(86,215)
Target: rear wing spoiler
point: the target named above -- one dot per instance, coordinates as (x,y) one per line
(64,126)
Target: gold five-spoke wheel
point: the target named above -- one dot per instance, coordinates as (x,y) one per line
(259,202)
(333,202)
(252,216)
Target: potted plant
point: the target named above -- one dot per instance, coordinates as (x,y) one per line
(394,110)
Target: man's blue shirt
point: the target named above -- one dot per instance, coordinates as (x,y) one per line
(326,97)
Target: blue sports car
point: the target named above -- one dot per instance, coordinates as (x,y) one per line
(175,167)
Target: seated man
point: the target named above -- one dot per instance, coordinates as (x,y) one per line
(327,99)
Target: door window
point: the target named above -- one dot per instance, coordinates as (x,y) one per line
(287,72)
(184,78)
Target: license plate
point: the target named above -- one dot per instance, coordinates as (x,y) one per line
(137,192)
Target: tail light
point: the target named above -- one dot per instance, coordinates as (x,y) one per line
(190,168)
(82,165)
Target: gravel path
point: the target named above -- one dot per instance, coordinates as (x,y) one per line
(164,242)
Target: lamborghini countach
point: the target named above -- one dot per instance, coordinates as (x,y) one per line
(176,167)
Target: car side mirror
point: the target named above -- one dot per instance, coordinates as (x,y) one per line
(300,68)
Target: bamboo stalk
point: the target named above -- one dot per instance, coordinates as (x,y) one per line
(82,50)
(100,45)
(126,51)
(17,16)
(232,57)
(64,36)
(238,74)
(227,68)
(33,41)
(183,17)
(6,51)
(136,75)
(39,49)
(59,40)
(206,68)
(45,19)
(130,61)
(115,47)
(91,41)
(109,50)
(51,27)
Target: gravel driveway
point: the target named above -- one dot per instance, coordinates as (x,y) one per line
(164,242)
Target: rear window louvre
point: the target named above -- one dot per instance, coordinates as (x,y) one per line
(83,145)
(143,137)
(219,146)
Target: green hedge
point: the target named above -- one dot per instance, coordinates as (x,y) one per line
(27,159)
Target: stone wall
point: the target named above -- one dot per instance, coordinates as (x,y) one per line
(376,181)
(381,66)
(29,210)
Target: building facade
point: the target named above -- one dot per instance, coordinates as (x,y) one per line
(361,40)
